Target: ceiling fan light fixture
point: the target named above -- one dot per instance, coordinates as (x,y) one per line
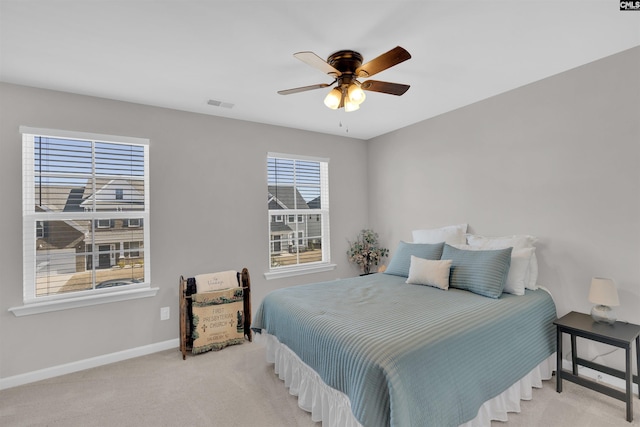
(333,98)
(346,66)
(356,94)
(349,105)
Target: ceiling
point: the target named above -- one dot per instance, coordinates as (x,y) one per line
(181,54)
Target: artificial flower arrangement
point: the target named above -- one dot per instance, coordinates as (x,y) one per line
(365,252)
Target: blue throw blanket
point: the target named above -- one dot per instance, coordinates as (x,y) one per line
(411,355)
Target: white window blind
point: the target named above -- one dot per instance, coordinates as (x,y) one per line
(298,201)
(85,214)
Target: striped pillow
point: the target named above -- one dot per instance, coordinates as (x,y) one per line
(401,260)
(481,272)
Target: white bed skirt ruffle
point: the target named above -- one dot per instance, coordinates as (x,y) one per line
(333,407)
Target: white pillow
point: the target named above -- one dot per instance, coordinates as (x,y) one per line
(451,234)
(516,242)
(519,273)
(429,272)
(532,283)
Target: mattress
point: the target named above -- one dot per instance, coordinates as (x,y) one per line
(408,354)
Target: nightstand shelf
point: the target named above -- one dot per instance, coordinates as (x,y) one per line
(620,334)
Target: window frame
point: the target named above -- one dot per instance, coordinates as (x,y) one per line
(134,222)
(100,223)
(40,234)
(276,272)
(33,304)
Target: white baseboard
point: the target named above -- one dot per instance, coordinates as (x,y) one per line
(81,365)
(601,377)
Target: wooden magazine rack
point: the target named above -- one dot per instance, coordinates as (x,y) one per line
(216,313)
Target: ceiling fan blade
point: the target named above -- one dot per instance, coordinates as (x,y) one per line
(303,89)
(384,87)
(315,61)
(382,62)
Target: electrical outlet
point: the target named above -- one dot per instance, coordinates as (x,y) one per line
(165,313)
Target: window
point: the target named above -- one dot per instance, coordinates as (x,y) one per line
(79,194)
(298,190)
(131,249)
(40,229)
(134,222)
(103,223)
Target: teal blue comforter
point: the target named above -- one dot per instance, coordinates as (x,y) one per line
(411,355)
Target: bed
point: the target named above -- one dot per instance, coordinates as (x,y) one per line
(376,351)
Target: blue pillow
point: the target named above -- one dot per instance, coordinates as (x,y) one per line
(481,272)
(401,260)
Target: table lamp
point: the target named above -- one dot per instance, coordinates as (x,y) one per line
(604,294)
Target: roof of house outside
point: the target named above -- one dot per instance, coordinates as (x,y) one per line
(283,197)
(314,204)
(278,227)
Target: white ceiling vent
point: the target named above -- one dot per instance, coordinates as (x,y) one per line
(216,103)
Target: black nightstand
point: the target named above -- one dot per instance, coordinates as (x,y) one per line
(620,334)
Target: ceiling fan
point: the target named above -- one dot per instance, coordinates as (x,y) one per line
(345,66)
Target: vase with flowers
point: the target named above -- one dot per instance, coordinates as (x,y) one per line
(365,251)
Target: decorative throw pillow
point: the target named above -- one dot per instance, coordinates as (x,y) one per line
(516,242)
(451,234)
(429,272)
(518,270)
(483,272)
(401,259)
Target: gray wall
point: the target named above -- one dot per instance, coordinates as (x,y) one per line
(208,213)
(558,159)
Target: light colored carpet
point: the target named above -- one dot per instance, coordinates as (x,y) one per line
(234,387)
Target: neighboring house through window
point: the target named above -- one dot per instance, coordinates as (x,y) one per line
(103,223)
(135,222)
(85,211)
(40,229)
(298,193)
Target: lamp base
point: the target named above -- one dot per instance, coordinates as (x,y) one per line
(603,314)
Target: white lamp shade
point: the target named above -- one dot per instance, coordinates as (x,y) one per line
(603,292)
(333,98)
(350,106)
(356,95)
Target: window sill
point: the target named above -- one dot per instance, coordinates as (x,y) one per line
(298,271)
(85,301)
